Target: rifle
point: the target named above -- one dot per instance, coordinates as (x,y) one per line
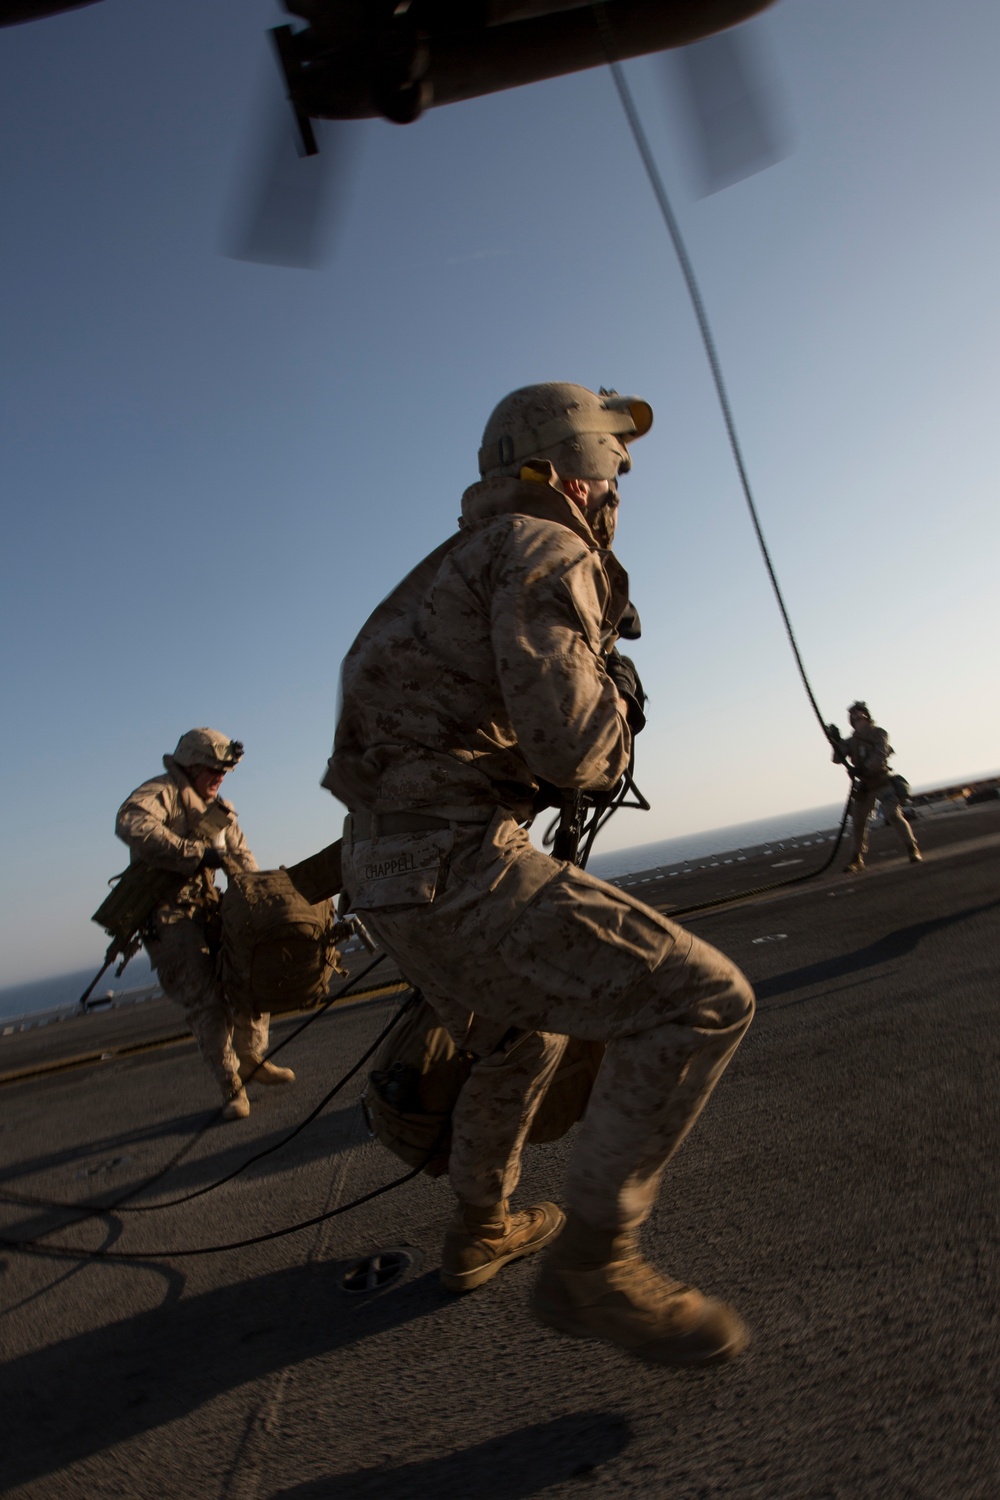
(566,837)
(582,815)
(109,959)
(134,896)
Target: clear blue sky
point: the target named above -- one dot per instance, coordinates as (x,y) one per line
(213,470)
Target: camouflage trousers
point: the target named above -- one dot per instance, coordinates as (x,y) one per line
(861,808)
(542,947)
(183,954)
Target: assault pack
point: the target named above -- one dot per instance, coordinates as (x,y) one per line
(419,1072)
(279,931)
(279,951)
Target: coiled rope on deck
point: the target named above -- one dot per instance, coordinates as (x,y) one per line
(38,1246)
(123,1203)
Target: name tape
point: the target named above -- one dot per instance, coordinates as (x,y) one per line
(384,867)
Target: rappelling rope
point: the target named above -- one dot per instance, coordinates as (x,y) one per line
(75,1252)
(704,327)
(694,293)
(37,1246)
(774,885)
(119,1204)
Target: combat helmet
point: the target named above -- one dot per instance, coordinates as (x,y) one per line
(584,436)
(860,707)
(207,747)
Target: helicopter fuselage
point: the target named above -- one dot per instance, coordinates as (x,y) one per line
(356,59)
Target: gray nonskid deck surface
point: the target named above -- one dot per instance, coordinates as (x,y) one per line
(840,1189)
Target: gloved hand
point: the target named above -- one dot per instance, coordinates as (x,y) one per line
(546,796)
(839,753)
(621,670)
(212,859)
(629,625)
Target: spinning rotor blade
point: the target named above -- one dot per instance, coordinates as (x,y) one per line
(13,12)
(334,77)
(289,205)
(734,119)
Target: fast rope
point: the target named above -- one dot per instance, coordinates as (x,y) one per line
(37,1246)
(774,885)
(119,1204)
(641,140)
(704,328)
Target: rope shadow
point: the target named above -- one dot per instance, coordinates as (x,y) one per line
(329,1136)
(892,946)
(513,1466)
(121,1140)
(175,1281)
(79,1397)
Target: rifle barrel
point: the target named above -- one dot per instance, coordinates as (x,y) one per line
(109,959)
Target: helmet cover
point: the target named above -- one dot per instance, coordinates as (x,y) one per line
(582,434)
(207,747)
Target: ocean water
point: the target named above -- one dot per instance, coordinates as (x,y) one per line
(66,989)
(694,846)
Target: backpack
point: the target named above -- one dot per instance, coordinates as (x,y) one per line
(278,951)
(418,1075)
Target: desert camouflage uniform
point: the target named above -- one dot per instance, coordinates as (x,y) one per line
(158,822)
(868,750)
(479,675)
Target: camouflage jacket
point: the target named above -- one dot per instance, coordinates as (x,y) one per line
(869,754)
(482,672)
(159,823)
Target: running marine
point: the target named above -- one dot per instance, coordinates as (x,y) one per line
(483,675)
(177,821)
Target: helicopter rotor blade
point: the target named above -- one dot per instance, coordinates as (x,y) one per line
(731,108)
(288,206)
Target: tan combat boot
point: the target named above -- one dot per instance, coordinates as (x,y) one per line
(480,1241)
(856,866)
(265,1072)
(916,858)
(237,1107)
(594,1284)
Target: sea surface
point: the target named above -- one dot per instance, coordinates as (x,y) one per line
(65,989)
(728,840)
